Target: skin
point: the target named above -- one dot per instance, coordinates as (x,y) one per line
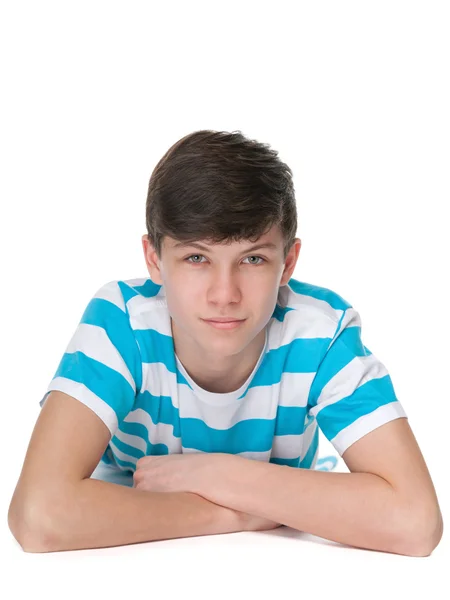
(220,282)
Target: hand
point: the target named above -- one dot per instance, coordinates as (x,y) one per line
(194,472)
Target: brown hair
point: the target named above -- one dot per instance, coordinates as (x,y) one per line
(217,186)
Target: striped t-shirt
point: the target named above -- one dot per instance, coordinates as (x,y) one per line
(313,373)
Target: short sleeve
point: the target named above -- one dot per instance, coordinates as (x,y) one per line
(352,392)
(101,365)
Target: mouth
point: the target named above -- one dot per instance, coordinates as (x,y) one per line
(224,320)
(224,324)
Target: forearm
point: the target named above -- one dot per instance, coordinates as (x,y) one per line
(98,514)
(358,509)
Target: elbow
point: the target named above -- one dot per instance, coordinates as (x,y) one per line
(32,543)
(434,534)
(35,542)
(30,538)
(424,533)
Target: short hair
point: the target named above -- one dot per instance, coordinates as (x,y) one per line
(220,186)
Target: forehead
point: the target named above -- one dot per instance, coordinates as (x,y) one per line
(243,247)
(271,241)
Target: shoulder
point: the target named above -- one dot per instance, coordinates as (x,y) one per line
(128,294)
(316,300)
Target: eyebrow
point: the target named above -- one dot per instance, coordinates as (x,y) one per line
(268,245)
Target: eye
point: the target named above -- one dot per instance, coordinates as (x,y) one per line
(260,258)
(188,259)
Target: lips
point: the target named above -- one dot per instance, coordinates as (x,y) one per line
(224,324)
(223,320)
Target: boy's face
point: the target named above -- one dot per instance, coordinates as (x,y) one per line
(220,281)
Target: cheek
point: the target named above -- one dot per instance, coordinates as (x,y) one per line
(183,306)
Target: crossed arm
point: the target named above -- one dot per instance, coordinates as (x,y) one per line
(387,502)
(358,509)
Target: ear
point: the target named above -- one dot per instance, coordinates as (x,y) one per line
(291,261)
(151,260)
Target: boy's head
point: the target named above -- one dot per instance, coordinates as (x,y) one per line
(227,193)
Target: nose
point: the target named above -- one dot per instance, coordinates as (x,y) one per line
(225,288)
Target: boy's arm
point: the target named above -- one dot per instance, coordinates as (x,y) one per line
(95,514)
(389,505)
(56,504)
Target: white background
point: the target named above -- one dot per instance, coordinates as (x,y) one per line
(355,97)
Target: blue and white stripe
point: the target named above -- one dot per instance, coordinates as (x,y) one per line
(313,373)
